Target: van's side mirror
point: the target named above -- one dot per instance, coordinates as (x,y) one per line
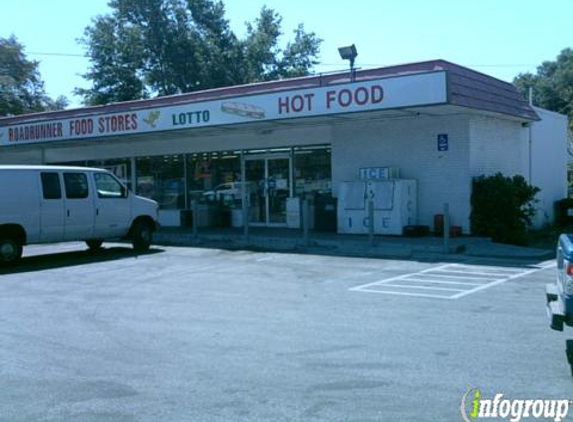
(124,192)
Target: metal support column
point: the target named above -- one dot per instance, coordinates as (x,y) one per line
(371,222)
(195,214)
(446,228)
(305,222)
(244,198)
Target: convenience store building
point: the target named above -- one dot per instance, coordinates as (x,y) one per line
(433,122)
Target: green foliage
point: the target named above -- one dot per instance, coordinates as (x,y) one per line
(502,207)
(552,84)
(21,88)
(163,47)
(118,52)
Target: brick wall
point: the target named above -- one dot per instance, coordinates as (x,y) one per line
(410,144)
(498,145)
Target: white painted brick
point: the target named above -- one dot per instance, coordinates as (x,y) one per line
(410,144)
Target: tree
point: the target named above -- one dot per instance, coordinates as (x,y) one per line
(162,47)
(552,84)
(119,54)
(21,87)
(502,207)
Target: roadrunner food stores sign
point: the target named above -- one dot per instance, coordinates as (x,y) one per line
(396,92)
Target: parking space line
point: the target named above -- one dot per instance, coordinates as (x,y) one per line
(482,273)
(405,286)
(442,273)
(486,267)
(475,281)
(364,286)
(495,283)
(427,280)
(386,292)
(458,277)
(482,267)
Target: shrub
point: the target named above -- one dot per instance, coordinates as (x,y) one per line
(502,207)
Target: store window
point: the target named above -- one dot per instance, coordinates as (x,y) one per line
(312,171)
(162,179)
(120,167)
(214,177)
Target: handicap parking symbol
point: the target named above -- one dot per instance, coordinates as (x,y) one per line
(443,142)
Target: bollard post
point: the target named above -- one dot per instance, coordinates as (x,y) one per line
(305,222)
(195,215)
(446,228)
(371,222)
(245,215)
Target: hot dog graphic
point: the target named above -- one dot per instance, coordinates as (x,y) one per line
(243,109)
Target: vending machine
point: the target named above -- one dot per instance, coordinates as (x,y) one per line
(394,205)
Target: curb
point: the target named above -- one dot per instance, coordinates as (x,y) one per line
(348,248)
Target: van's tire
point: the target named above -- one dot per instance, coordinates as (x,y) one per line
(10,250)
(141,235)
(94,244)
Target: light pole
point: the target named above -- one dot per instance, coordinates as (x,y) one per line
(349,53)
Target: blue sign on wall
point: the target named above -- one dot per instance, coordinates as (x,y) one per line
(443,142)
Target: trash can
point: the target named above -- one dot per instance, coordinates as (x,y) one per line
(415,231)
(439,224)
(455,231)
(186,218)
(325,213)
(564,212)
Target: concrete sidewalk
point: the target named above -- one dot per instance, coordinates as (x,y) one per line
(427,247)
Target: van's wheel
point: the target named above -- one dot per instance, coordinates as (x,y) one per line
(141,235)
(10,250)
(94,244)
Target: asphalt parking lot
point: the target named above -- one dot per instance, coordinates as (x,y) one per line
(196,334)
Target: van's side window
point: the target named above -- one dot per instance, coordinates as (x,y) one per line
(108,187)
(51,186)
(76,185)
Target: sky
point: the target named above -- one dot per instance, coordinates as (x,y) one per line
(501,38)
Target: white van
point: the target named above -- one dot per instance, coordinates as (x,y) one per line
(44,204)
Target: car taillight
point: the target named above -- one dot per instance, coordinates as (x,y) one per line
(568,281)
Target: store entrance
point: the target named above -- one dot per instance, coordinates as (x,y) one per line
(269,185)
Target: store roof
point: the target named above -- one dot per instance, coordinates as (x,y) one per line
(467,88)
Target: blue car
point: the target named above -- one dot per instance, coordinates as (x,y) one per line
(560,294)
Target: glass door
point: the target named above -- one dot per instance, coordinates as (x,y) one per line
(269,186)
(256,190)
(278,189)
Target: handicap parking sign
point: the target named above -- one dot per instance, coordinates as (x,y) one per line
(443,142)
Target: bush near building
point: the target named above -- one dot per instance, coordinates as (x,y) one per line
(502,208)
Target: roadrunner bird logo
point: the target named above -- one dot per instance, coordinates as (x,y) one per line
(152,118)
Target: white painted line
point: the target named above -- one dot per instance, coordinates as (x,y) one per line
(480,280)
(390,292)
(463,283)
(400,277)
(459,277)
(476,273)
(487,267)
(495,283)
(405,286)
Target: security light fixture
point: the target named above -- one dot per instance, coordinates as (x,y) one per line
(349,53)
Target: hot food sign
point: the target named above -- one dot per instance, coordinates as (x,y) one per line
(379,94)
